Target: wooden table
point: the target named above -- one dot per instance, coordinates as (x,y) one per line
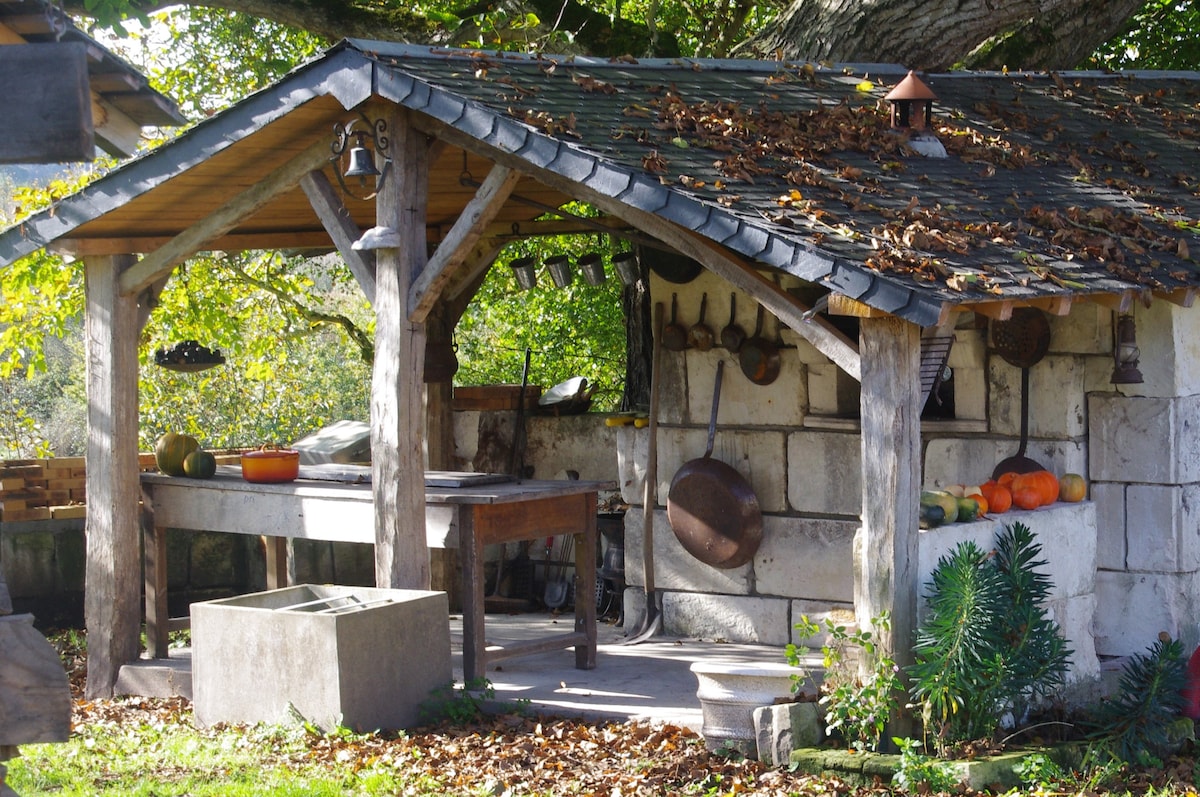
(464,517)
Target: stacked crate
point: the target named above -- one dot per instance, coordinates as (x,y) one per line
(42,489)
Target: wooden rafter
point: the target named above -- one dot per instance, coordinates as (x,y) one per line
(223,219)
(454,250)
(341,228)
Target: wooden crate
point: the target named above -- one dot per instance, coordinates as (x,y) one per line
(494,397)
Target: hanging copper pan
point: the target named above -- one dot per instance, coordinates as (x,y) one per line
(1022,341)
(712,508)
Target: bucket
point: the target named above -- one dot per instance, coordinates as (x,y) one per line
(626,264)
(525,272)
(591,266)
(560,270)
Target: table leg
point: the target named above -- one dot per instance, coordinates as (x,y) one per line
(585,588)
(156,585)
(471,551)
(276,556)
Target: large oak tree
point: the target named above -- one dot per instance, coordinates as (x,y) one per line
(923,34)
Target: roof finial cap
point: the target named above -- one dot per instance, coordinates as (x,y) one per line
(911,88)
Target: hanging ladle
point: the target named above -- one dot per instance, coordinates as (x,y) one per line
(1022,341)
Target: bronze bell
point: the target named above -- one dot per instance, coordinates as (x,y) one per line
(362,162)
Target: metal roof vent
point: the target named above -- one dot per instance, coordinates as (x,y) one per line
(912,108)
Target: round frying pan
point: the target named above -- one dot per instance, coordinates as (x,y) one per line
(759,357)
(674,336)
(732,335)
(700,334)
(711,507)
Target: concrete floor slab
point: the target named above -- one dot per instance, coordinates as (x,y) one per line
(651,680)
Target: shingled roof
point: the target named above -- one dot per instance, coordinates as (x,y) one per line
(1056,185)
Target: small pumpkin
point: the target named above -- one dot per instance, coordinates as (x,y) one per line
(1027,497)
(1000,501)
(1072,488)
(170,451)
(983,503)
(200,464)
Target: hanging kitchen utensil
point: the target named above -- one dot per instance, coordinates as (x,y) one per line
(674,267)
(732,335)
(1022,341)
(700,335)
(711,507)
(759,357)
(652,619)
(674,336)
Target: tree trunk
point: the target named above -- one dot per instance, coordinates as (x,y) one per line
(938,34)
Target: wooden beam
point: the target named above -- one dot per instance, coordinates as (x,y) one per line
(840,304)
(238,242)
(887,569)
(459,242)
(816,330)
(397,391)
(1054,305)
(335,218)
(1119,302)
(112,598)
(999,311)
(460,293)
(1184,297)
(544,227)
(116,133)
(223,219)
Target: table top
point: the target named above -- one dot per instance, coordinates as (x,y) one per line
(229,479)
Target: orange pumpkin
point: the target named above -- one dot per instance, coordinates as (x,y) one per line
(1028,497)
(1006,479)
(982,501)
(1049,486)
(1072,488)
(1001,500)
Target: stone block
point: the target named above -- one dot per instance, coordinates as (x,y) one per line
(817,612)
(1162,520)
(70,555)
(1087,329)
(1146,440)
(29,562)
(831,391)
(961,460)
(780,729)
(674,567)
(1111,543)
(806,558)
(824,472)
(1056,398)
(579,443)
(1066,532)
(1076,618)
(1133,608)
(731,618)
(354,656)
(755,455)
(35,699)
(743,403)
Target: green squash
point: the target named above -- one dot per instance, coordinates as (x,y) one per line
(200,464)
(170,451)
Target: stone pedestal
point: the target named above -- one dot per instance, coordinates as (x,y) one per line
(729,694)
(355,656)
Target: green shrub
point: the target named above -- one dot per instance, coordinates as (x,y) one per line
(987,646)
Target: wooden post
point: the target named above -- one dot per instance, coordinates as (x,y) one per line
(886,565)
(397,389)
(112,599)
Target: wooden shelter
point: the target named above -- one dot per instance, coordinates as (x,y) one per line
(749,168)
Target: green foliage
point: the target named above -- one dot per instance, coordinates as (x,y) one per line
(986,646)
(857,705)
(576,331)
(1163,34)
(1043,775)
(456,705)
(1143,722)
(920,774)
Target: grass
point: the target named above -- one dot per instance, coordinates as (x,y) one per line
(165,754)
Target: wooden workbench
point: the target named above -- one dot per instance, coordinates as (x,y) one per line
(468,518)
